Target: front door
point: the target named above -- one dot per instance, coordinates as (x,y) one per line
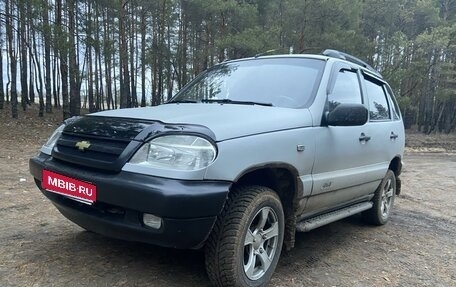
(344,170)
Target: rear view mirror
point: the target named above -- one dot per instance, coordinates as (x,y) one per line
(347,115)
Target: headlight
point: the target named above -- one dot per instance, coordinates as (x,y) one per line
(47,147)
(176,152)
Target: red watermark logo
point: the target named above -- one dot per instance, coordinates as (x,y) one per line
(68,186)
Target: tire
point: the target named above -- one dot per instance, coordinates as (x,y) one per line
(245,244)
(383,201)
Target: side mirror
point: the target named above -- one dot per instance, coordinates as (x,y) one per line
(347,115)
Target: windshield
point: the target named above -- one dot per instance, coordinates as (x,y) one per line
(280,82)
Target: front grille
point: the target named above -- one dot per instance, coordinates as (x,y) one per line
(102,143)
(100,149)
(102,153)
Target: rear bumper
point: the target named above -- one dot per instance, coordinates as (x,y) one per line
(188,208)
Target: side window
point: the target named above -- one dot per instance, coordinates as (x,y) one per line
(346,90)
(393,104)
(378,104)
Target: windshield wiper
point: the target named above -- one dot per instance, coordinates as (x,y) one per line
(235,102)
(181,101)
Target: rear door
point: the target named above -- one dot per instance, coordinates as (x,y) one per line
(384,126)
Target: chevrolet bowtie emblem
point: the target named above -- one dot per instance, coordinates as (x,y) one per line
(82,145)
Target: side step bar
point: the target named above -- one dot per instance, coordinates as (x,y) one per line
(317,221)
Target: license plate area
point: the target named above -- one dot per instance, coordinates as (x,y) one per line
(79,190)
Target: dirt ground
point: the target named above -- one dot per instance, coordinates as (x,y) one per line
(39,247)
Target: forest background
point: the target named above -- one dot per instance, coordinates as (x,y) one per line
(69,56)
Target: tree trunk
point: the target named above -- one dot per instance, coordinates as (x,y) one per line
(2,93)
(183,72)
(430,93)
(114,75)
(115,104)
(99,72)
(90,79)
(161,57)
(95,80)
(143,57)
(107,48)
(101,93)
(170,74)
(12,56)
(31,87)
(63,55)
(452,125)
(154,71)
(55,78)
(125,97)
(134,100)
(90,62)
(75,96)
(47,59)
(38,78)
(23,49)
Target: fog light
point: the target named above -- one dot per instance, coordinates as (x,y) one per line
(152,220)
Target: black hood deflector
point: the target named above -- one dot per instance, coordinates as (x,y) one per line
(128,129)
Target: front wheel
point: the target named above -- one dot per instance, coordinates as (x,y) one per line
(383,200)
(245,244)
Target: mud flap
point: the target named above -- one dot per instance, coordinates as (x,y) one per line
(398,186)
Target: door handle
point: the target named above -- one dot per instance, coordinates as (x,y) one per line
(364,138)
(393,136)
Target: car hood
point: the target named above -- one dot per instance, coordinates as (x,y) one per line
(227,121)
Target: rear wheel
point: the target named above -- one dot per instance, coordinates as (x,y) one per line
(245,244)
(383,200)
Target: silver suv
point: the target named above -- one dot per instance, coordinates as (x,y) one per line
(245,155)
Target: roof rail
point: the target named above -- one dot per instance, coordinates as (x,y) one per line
(265,53)
(344,56)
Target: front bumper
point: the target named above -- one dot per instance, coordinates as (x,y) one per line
(188,208)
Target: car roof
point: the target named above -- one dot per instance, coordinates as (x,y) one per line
(366,68)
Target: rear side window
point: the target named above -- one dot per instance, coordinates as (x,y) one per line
(378,104)
(393,104)
(346,90)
